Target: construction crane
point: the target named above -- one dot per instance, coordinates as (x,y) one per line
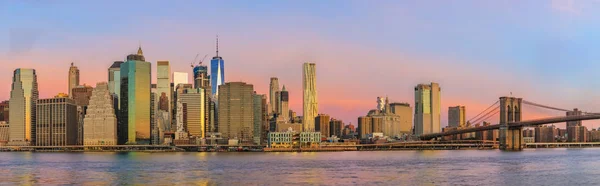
(202,61)
(192,63)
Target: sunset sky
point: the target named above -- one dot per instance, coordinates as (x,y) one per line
(543,51)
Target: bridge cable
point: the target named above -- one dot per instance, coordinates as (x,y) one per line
(483,111)
(487,115)
(544,106)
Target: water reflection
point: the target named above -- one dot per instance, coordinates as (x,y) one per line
(492,167)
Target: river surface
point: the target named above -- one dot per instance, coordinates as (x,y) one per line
(454,167)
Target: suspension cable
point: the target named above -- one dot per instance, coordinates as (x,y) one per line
(483,111)
(544,106)
(487,115)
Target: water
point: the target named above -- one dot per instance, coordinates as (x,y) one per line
(458,167)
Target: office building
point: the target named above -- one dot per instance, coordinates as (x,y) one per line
(73,78)
(180,78)
(82,94)
(23,97)
(135,100)
(217,72)
(335,127)
(545,134)
(259,116)
(4,111)
(273,89)
(100,123)
(193,112)
(427,108)
(310,106)
(56,123)
(201,78)
(114,83)
(456,116)
(404,111)
(236,117)
(322,125)
(284,106)
(163,88)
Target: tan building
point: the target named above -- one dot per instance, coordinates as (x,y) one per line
(273,89)
(577,133)
(284,127)
(310,103)
(22,107)
(322,125)
(427,108)
(365,124)
(82,94)
(194,111)
(100,123)
(56,123)
(73,78)
(236,117)
(544,134)
(456,116)
(405,112)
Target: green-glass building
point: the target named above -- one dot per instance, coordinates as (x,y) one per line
(134,125)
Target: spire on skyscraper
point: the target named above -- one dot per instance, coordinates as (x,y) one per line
(217,46)
(283,89)
(139,52)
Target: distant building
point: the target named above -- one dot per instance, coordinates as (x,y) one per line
(574,133)
(114,84)
(258,105)
(22,107)
(180,78)
(135,100)
(310,103)
(545,134)
(284,108)
(405,112)
(365,126)
(336,127)
(456,116)
(81,94)
(100,123)
(164,90)
(427,108)
(4,132)
(594,135)
(56,123)
(322,125)
(194,111)
(236,117)
(285,126)
(273,101)
(201,78)
(392,120)
(4,111)
(73,78)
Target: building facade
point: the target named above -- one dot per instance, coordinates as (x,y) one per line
(73,78)
(456,116)
(236,117)
(100,123)
(284,106)
(217,72)
(259,119)
(56,123)
(365,126)
(273,89)
(163,88)
(135,100)
(4,111)
(427,108)
(310,105)
(22,107)
(404,111)
(335,127)
(194,112)
(201,78)
(322,125)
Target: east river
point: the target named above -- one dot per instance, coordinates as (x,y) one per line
(454,167)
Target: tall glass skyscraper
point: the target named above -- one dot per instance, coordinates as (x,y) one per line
(427,108)
(22,110)
(135,100)
(217,72)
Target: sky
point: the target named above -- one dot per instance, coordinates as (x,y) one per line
(542,51)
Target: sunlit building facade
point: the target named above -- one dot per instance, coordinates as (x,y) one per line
(56,123)
(135,100)
(427,108)
(236,113)
(310,105)
(22,107)
(100,123)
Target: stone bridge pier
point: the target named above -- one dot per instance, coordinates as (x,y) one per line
(510,138)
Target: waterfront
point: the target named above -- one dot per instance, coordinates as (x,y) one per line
(468,167)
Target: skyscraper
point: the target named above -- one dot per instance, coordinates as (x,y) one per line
(217,72)
(258,108)
(365,125)
(273,89)
(135,100)
(100,123)
(114,83)
(310,105)
(201,79)
(163,87)
(56,123)
(404,111)
(284,108)
(82,94)
(23,98)
(456,116)
(73,78)
(427,108)
(193,111)
(236,115)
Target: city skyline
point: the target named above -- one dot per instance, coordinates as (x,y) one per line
(389,68)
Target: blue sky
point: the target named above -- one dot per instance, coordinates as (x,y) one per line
(544,51)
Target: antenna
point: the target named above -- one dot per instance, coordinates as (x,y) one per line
(217,45)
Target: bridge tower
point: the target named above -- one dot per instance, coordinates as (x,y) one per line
(510,138)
